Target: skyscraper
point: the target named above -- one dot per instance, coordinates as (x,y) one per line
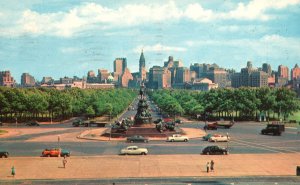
(120,64)
(6,79)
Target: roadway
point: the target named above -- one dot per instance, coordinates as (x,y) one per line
(245,138)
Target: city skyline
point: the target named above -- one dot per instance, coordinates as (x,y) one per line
(72,37)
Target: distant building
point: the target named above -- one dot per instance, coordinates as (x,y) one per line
(159,77)
(295,72)
(296,86)
(202,84)
(267,69)
(66,80)
(182,75)
(120,64)
(47,80)
(142,67)
(27,80)
(91,77)
(6,79)
(103,75)
(282,76)
(250,77)
(218,76)
(125,78)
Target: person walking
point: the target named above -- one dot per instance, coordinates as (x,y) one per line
(207,167)
(64,161)
(13,171)
(212,163)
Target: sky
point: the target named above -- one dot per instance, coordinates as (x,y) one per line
(68,38)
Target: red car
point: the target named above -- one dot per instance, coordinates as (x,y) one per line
(55,152)
(211,126)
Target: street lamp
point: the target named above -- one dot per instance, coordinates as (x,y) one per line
(110,131)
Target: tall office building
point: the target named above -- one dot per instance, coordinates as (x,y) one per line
(120,64)
(267,68)
(283,71)
(182,75)
(295,73)
(282,76)
(27,80)
(6,79)
(218,76)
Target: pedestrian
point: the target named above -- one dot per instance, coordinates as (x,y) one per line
(13,171)
(65,161)
(207,167)
(212,165)
(227,135)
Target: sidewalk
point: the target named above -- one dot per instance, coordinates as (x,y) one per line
(113,166)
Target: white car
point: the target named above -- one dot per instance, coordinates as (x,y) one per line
(177,137)
(134,150)
(216,138)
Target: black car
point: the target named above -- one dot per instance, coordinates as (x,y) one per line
(273,129)
(214,150)
(137,138)
(4,154)
(32,123)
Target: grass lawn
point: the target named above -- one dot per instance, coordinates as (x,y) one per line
(295,116)
(3,132)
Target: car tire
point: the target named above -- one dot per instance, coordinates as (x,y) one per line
(172,140)
(185,140)
(207,153)
(143,153)
(131,141)
(48,155)
(145,141)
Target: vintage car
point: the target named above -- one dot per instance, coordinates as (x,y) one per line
(177,137)
(273,129)
(219,138)
(56,152)
(211,126)
(134,150)
(137,138)
(214,150)
(4,154)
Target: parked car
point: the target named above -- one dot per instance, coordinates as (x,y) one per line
(274,129)
(214,150)
(211,126)
(32,123)
(206,137)
(219,138)
(134,150)
(177,137)
(4,154)
(55,152)
(137,138)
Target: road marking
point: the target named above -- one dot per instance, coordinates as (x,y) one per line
(266,147)
(260,147)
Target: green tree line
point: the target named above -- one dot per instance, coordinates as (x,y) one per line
(45,103)
(242,103)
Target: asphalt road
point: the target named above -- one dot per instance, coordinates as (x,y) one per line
(245,138)
(167,181)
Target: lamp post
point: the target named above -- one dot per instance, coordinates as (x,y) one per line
(110,131)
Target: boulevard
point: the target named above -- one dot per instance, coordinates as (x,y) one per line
(245,139)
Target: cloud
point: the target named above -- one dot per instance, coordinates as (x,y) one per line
(256,9)
(273,46)
(158,48)
(93,16)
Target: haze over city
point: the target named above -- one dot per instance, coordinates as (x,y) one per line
(68,38)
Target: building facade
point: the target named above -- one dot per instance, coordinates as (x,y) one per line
(27,80)
(6,79)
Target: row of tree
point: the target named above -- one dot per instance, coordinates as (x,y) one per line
(243,103)
(46,104)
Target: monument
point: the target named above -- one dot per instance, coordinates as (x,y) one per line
(143,115)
